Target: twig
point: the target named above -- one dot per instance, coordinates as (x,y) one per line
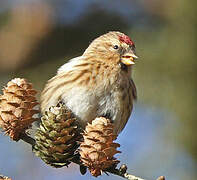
(124,175)
(28,139)
(122,171)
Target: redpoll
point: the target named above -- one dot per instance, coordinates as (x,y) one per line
(98,83)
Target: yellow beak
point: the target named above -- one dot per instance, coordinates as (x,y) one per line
(128,59)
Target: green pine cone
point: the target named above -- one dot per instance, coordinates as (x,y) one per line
(57,138)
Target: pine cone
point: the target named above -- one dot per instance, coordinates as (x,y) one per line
(17,108)
(4,178)
(56,139)
(98,148)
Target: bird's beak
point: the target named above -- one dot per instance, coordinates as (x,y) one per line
(128,59)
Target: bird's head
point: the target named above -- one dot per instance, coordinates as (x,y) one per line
(113,48)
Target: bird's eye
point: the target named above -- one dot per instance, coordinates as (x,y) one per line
(116,47)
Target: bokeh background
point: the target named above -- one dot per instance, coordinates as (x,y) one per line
(38,36)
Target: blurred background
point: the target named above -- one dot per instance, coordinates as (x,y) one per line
(38,36)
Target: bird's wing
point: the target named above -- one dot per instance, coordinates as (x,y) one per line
(134,89)
(65,79)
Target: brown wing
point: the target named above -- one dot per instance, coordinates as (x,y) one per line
(134,90)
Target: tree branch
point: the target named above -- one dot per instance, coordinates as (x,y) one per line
(125,175)
(28,139)
(122,171)
(128,176)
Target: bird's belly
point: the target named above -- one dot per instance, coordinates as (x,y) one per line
(83,104)
(116,106)
(87,106)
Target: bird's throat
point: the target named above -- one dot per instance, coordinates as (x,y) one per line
(123,67)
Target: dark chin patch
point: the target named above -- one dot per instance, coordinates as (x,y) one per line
(123,67)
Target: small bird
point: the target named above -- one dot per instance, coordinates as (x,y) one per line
(98,83)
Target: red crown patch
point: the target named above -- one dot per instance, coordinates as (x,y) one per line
(127,40)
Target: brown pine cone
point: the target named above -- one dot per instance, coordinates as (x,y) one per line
(98,149)
(17,108)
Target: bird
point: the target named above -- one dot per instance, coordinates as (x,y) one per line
(98,83)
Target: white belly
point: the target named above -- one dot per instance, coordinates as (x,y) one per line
(87,105)
(82,103)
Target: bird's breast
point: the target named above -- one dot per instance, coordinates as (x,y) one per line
(112,102)
(117,105)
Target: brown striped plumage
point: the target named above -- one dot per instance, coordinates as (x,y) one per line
(98,83)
